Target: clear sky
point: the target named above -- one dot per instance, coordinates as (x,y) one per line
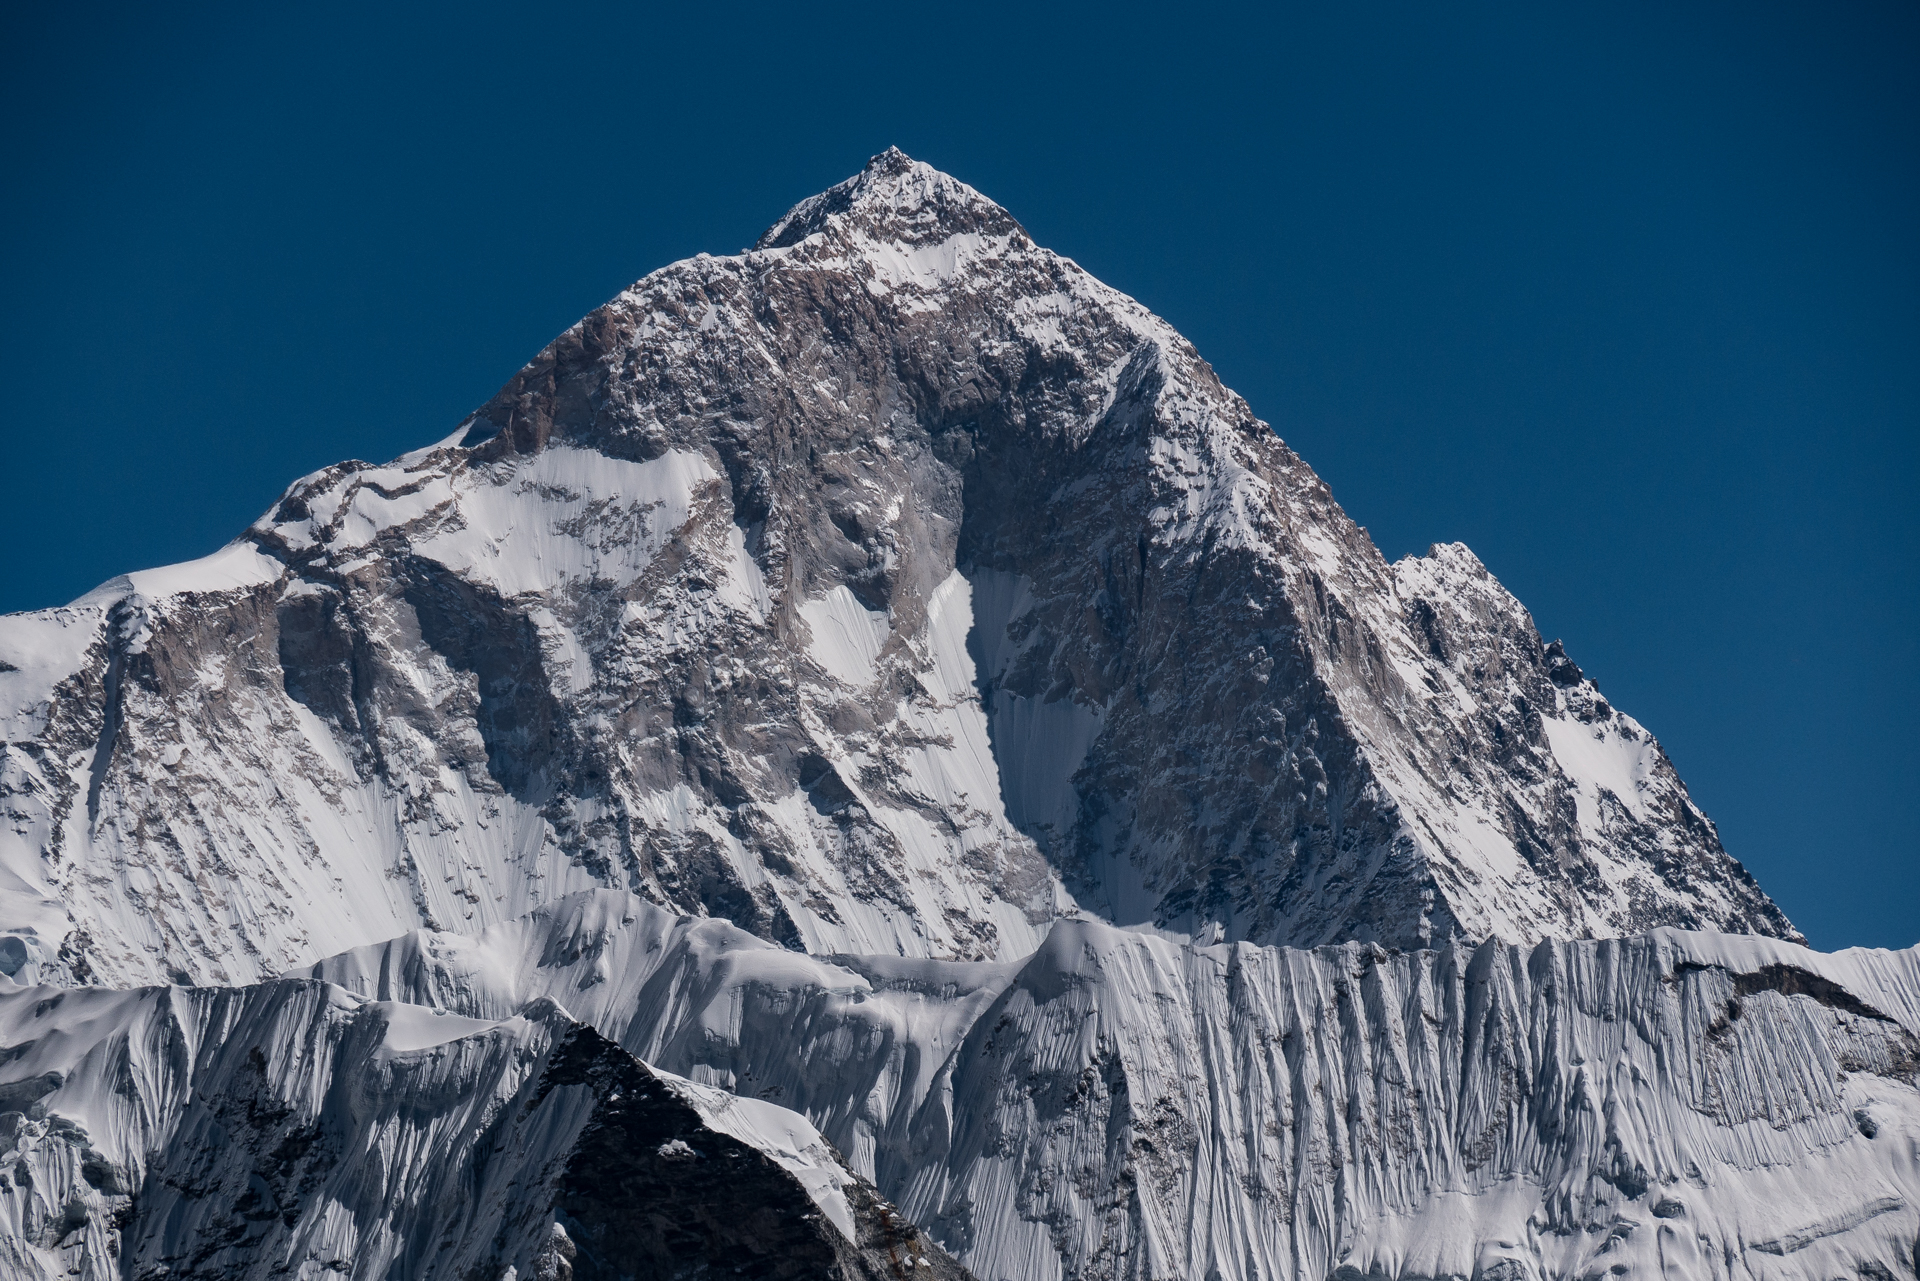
(1624,295)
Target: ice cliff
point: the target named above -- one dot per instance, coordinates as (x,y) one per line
(294,1129)
(1118,1104)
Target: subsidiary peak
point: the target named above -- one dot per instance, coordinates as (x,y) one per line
(894,198)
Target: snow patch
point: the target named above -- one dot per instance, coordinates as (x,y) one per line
(847,636)
(565,514)
(232,568)
(416,1027)
(1597,758)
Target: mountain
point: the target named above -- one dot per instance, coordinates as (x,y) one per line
(891,587)
(866,761)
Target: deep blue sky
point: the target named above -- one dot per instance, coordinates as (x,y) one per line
(1626,296)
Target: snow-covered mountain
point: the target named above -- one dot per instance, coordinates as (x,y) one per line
(894,586)
(864,749)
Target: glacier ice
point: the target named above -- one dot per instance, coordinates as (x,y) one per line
(1127,1104)
(294,1129)
(1121,1103)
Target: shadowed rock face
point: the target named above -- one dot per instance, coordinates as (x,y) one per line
(891,587)
(652,1190)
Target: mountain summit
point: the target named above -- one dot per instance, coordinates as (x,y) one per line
(891,587)
(897,199)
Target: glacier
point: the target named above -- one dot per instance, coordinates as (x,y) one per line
(293,1128)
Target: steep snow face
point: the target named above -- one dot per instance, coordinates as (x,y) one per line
(291,1129)
(892,587)
(1124,1105)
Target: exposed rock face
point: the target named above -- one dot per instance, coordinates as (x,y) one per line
(673,1180)
(892,587)
(289,1129)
